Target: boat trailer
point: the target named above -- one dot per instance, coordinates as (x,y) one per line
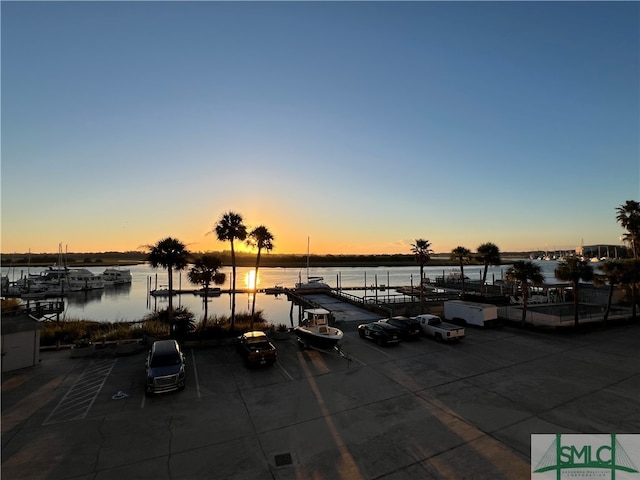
(336,349)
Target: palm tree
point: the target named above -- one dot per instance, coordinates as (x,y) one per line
(230,228)
(205,271)
(489,253)
(462,255)
(262,239)
(612,274)
(422,252)
(628,215)
(525,272)
(573,270)
(171,254)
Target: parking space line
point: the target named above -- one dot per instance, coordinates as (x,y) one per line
(286,374)
(195,372)
(78,400)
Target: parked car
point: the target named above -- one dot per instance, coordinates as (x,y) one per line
(381,333)
(409,327)
(256,349)
(433,326)
(165,367)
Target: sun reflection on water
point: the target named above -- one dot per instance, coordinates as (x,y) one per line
(250,280)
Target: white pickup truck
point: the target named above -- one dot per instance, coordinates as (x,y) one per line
(433,326)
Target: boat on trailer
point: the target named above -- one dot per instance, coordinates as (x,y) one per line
(314,330)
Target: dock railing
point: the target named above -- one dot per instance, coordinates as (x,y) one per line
(49,310)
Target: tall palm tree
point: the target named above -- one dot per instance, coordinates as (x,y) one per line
(262,239)
(526,273)
(612,274)
(489,253)
(230,228)
(422,252)
(628,215)
(573,270)
(462,255)
(171,254)
(205,271)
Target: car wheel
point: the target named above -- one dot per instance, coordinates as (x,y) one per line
(361,332)
(379,342)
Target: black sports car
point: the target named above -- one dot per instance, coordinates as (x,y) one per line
(381,333)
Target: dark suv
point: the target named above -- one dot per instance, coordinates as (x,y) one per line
(165,367)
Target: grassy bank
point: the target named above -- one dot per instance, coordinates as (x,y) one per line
(155,325)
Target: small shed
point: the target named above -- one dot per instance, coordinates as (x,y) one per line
(20,341)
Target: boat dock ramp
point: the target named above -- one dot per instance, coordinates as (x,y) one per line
(379,304)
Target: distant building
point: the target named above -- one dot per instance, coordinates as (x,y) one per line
(601,251)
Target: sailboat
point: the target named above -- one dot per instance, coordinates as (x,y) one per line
(313,284)
(314,330)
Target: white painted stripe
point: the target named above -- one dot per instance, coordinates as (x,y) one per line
(195,372)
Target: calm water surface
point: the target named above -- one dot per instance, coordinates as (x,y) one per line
(132,302)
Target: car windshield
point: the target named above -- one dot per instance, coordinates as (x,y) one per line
(165,360)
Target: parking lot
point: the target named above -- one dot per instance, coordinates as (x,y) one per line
(418,410)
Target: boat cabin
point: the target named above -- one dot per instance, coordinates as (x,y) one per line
(316,317)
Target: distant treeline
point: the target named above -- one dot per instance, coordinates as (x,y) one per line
(242,259)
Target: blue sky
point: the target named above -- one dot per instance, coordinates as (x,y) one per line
(360,125)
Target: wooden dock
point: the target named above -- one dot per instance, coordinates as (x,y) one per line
(42,310)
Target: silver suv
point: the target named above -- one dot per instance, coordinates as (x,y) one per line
(165,367)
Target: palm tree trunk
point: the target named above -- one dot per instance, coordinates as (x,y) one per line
(206,305)
(525,301)
(421,290)
(255,287)
(483,289)
(576,320)
(462,277)
(170,288)
(606,312)
(233,286)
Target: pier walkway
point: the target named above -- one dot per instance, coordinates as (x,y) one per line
(342,311)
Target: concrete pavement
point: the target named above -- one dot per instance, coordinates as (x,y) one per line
(419,410)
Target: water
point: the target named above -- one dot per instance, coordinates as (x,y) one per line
(132,302)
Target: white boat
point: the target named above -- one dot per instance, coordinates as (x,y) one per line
(315,331)
(116,276)
(312,284)
(81,279)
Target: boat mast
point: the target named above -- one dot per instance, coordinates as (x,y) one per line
(308,259)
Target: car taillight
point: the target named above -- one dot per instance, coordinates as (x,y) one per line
(448,334)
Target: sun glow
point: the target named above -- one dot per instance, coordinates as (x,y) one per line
(250,280)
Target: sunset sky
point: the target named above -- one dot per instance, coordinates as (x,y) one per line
(360,125)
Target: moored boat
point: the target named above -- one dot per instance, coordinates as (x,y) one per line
(116,276)
(313,284)
(81,279)
(315,331)
(210,292)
